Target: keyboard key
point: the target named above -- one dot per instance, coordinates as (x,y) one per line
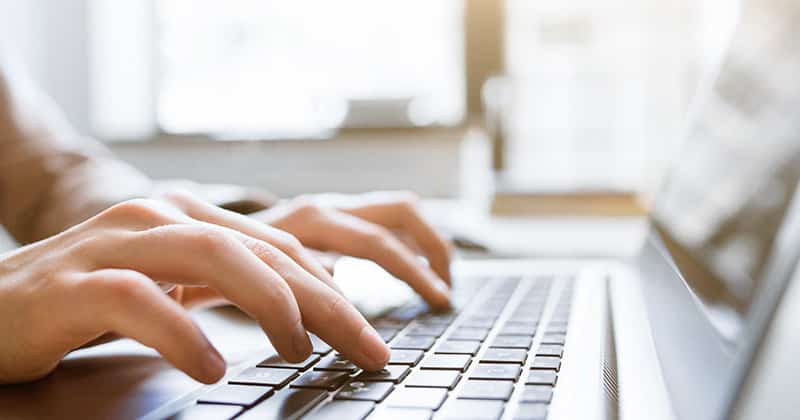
(493,355)
(481,315)
(524,318)
(365,391)
(320,380)
(413,343)
(391,373)
(469,333)
(387,334)
(319,346)
(554,339)
(277,362)
(471,409)
(479,322)
(530,307)
(208,412)
(459,347)
(343,410)
(288,403)
(531,412)
(556,329)
(518,329)
(447,361)
(537,394)
(265,376)
(529,324)
(512,342)
(541,377)
(237,394)
(427,330)
(546,362)
(433,379)
(402,413)
(430,398)
(486,390)
(337,363)
(389,323)
(550,350)
(408,313)
(437,319)
(495,372)
(405,357)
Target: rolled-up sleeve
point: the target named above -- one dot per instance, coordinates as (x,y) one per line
(50,177)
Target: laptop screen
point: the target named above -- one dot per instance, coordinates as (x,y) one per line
(727,195)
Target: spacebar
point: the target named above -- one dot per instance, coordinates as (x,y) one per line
(288,403)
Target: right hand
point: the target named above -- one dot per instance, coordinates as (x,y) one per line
(99,277)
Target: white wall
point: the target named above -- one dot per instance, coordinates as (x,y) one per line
(50,38)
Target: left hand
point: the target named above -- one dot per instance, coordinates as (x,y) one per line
(385,227)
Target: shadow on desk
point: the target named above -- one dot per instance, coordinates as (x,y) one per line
(98,387)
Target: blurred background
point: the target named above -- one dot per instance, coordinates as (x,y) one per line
(353,95)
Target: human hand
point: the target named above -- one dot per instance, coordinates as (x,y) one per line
(385,227)
(99,277)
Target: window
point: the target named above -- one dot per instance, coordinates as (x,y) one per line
(284,68)
(601,89)
(296,67)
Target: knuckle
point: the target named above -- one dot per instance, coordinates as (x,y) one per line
(209,240)
(135,209)
(178,195)
(180,199)
(124,286)
(261,249)
(335,306)
(305,206)
(377,237)
(288,242)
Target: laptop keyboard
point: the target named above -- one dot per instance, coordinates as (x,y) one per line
(491,355)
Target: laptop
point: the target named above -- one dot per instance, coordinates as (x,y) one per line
(685,329)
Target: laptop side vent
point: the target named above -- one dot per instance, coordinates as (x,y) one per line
(610,381)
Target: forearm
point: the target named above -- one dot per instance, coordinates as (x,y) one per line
(50,177)
(65,189)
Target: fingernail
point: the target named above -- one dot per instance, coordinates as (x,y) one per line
(444,292)
(300,343)
(443,287)
(214,366)
(373,346)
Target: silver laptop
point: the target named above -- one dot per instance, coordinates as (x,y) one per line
(683,330)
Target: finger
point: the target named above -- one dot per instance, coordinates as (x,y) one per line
(330,316)
(351,235)
(130,304)
(207,255)
(200,210)
(200,297)
(395,211)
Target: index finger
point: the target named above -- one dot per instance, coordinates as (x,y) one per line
(357,237)
(329,315)
(396,211)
